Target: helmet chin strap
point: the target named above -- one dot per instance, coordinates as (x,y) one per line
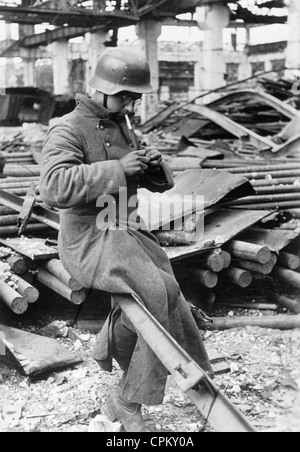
(105,101)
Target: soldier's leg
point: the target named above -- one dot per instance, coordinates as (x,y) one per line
(117,408)
(124,341)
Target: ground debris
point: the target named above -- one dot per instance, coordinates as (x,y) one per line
(264,384)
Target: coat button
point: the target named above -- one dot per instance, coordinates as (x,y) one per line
(108,145)
(102,127)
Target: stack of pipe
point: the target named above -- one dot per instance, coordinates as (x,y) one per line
(16,289)
(24,158)
(239,262)
(18,270)
(21,170)
(53,275)
(277,183)
(16,283)
(8,217)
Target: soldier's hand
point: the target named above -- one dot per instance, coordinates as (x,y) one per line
(135,163)
(155,158)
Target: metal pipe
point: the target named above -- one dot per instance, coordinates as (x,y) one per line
(17,154)
(273,182)
(55,267)
(274,174)
(213,262)
(26,290)
(288,260)
(13,230)
(19,191)
(264,269)
(258,306)
(11,220)
(289,276)
(249,251)
(18,264)
(12,299)
(270,206)
(8,185)
(12,179)
(49,280)
(22,171)
(285,302)
(264,169)
(207,278)
(238,276)
(227,259)
(265,199)
(277,189)
(236,164)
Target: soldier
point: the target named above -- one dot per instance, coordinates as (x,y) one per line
(89,155)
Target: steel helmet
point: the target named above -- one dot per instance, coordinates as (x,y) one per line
(122,70)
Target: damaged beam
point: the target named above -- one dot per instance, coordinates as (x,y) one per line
(260,97)
(82,17)
(241,132)
(190,378)
(39,213)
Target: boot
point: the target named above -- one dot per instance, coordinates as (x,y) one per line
(128,413)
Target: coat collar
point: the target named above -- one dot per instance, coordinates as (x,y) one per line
(87,103)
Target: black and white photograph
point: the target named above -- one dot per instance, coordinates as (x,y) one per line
(150,218)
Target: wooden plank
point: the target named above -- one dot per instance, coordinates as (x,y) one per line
(35,354)
(34,249)
(219,228)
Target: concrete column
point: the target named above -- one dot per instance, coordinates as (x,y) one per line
(28,61)
(148,31)
(9,69)
(211,67)
(29,72)
(60,56)
(293,48)
(165,93)
(95,43)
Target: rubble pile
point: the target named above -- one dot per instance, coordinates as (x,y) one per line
(242,147)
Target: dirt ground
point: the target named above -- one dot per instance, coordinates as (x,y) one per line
(263,383)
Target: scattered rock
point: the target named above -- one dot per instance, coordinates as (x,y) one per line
(234,368)
(101,424)
(54,330)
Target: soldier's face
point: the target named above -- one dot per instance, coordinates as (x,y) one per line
(124,103)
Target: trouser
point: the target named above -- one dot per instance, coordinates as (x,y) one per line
(124,341)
